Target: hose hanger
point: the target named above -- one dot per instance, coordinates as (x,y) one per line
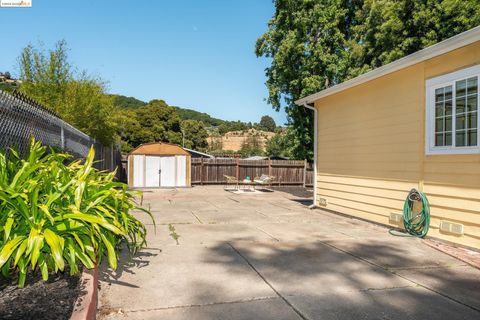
(416,214)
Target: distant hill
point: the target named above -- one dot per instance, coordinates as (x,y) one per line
(215,126)
(185,114)
(7,86)
(234,140)
(189,114)
(127,102)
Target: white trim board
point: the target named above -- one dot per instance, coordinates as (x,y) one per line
(453,43)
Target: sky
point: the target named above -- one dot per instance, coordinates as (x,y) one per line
(197,54)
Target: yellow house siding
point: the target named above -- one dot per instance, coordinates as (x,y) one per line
(372,130)
(453,61)
(371,151)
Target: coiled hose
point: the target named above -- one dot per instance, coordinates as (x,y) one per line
(416,224)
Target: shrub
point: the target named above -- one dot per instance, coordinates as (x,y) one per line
(54,214)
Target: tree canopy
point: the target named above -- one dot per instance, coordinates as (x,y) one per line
(277,146)
(195,135)
(79,99)
(314,44)
(189,114)
(251,146)
(127,102)
(156,121)
(228,126)
(268,124)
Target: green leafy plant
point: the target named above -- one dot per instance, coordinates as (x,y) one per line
(54,214)
(173,233)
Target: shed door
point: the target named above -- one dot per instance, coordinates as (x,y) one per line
(167,175)
(152,171)
(138,171)
(181,171)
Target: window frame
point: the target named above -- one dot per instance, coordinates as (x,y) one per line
(443,81)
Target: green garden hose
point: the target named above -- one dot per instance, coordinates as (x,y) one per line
(416,224)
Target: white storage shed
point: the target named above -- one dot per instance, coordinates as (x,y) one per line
(158,165)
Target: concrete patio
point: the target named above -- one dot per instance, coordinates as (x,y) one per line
(267,256)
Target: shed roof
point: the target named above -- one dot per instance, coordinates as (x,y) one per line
(159,149)
(198,153)
(450,44)
(256,158)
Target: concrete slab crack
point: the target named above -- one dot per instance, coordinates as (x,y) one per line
(261,213)
(386,288)
(268,234)
(196,217)
(202,305)
(235,200)
(301,315)
(277,205)
(401,276)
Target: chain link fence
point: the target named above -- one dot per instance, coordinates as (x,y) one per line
(21,118)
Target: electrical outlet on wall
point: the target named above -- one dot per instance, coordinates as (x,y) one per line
(322,202)
(396,218)
(451,227)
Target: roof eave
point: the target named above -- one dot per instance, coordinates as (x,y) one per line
(450,44)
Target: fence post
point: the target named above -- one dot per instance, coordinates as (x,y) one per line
(237,169)
(305,173)
(112,163)
(201,171)
(62,138)
(269,166)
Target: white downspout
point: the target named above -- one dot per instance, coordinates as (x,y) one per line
(315,155)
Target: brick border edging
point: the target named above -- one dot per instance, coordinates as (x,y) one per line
(85,307)
(455,251)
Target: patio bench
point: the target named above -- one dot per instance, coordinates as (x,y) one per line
(264,180)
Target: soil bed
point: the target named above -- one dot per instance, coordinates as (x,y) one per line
(39,300)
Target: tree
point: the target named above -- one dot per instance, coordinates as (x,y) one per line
(268,124)
(306,42)
(189,114)
(229,126)
(387,30)
(159,122)
(314,44)
(129,130)
(79,99)
(195,135)
(156,122)
(277,146)
(87,107)
(7,75)
(127,102)
(251,146)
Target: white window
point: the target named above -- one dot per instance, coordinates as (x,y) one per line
(452,113)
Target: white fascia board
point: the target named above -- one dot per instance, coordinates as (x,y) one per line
(450,44)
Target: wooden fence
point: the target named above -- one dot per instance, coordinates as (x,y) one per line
(287,172)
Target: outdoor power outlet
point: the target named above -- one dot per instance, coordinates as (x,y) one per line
(450,227)
(396,218)
(322,202)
